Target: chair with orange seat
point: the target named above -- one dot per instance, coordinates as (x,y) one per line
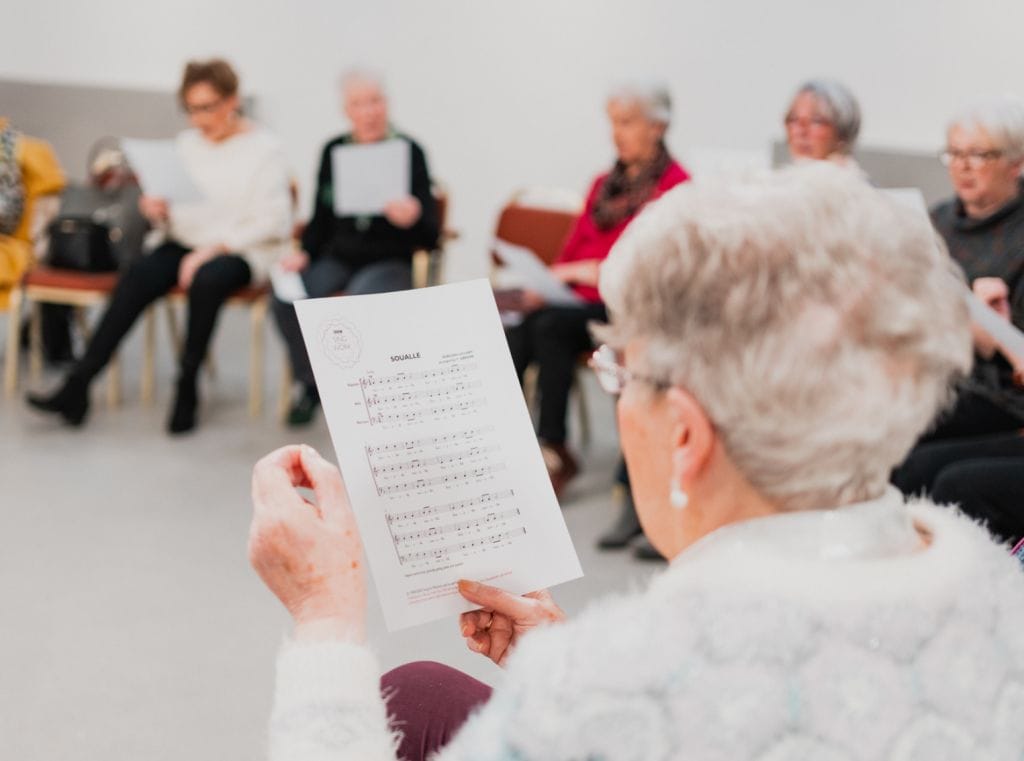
(543,230)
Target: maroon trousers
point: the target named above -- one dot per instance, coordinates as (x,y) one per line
(427,703)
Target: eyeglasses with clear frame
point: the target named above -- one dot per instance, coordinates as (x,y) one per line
(973,159)
(611,374)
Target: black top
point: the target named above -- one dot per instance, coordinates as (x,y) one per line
(990,247)
(359,241)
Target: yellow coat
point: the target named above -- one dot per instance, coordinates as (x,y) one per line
(42,176)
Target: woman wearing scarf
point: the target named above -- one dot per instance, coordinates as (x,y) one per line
(554,337)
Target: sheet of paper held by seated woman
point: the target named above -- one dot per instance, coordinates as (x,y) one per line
(436,447)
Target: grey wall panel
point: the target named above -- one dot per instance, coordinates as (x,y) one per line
(888,168)
(73,117)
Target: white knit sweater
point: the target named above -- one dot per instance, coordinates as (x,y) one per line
(821,636)
(247,203)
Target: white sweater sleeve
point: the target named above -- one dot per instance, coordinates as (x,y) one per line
(327,705)
(266,216)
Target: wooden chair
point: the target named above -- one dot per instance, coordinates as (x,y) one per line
(49,285)
(256,299)
(543,231)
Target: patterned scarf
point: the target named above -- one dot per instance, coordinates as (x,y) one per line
(621,196)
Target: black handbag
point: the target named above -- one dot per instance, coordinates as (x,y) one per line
(79,243)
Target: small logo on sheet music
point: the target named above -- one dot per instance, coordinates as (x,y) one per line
(401,357)
(341,343)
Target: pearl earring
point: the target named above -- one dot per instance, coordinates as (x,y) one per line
(678,498)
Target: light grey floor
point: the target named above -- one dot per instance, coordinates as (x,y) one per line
(131,624)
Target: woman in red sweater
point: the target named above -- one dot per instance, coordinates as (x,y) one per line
(554,336)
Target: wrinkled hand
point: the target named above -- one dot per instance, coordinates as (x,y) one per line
(403,212)
(294,261)
(192,261)
(995,293)
(154,208)
(583,272)
(503,618)
(310,556)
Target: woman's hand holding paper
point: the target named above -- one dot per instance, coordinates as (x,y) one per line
(309,555)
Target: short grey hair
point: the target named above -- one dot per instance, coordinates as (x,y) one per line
(820,324)
(838,105)
(653,98)
(360,75)
(1002,117)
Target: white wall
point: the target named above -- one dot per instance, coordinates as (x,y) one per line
(509,94)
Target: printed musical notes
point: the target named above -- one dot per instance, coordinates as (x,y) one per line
(440,461)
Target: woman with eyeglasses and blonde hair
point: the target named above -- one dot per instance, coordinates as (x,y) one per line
(971,446)
(776,345)
(210,248)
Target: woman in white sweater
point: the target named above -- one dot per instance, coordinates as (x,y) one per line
(777,345)
(210,249)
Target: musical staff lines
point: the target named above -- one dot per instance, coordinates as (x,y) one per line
(443,373)
(484,500)
(449,479)
(446,552)
(436,442)
(408,399)
(480,522)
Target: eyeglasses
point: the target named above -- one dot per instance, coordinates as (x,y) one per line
(613,377)
(203,108)
(802,121)
(973,159)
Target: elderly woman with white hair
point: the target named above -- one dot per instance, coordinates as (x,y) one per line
(776,345)
(978,442)
(822,123)
(554,336)
(356,253)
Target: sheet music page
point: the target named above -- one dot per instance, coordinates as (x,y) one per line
(161,171)
(1006,334)
(369,175)
(530,272)
(436,447)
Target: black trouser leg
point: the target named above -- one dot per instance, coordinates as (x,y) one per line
(56,330)
(149,278)
(972,415)
(520,346)
(211,286)
(922,467)
(559,336)
(989,490)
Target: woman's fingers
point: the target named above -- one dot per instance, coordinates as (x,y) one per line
(498,600)
(325,480)
(473,621)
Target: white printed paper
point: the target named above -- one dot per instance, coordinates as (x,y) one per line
(161,171)
(1005,333)
(531,273)
(436,447)
(287,285)
(368,176)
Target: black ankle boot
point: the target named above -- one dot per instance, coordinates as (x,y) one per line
(71,402)
(183,413)
(304,408)
(626,527)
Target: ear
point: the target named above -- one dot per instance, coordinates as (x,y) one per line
(693,437)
